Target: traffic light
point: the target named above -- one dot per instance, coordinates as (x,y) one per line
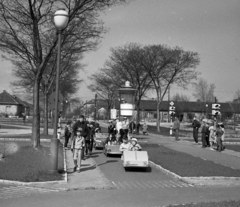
(171,113)
(216,106)
(215,112)
(171,108)
(216,109)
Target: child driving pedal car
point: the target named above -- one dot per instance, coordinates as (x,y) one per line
(135,146)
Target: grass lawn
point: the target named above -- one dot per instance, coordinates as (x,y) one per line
(211,204)
(184,164)
(26,136)
(24,163)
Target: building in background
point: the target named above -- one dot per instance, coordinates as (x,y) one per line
(11,105)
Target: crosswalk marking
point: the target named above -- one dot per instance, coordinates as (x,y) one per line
(21,191)
(151,184)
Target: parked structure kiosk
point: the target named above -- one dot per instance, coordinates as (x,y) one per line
(127,95)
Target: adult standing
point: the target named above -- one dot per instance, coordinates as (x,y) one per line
(67,134)
(118,126)
(125,127)
(196,125)
(112,130)
(138,127)
(132,127)
(176,128)
(219,133)
(204,133)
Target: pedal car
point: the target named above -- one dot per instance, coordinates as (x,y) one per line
(100,140)
(112,148)
(135,159)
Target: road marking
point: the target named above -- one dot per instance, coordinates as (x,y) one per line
(159,184)
(127,184)
(140,184)
(150,184)
(122,186)
(176,183)
(134,184)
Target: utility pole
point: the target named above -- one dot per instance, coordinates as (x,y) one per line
(95,112)
(86,109)
(168,102)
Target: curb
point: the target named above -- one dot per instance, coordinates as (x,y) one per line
(203,181)
(65,164)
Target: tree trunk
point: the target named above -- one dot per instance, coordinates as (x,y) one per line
(138,112)
(36,116)
(158,116)
(45,129)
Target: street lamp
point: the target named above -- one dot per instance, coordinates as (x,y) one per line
(60,20)
(95,109)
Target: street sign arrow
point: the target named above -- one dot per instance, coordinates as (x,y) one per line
(171,103)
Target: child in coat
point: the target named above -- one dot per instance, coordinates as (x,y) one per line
(78,144)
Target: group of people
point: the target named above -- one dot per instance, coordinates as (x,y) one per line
(124,128)
(212,133)
(119,133)
(81,134)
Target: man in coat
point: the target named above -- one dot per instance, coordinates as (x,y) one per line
(176,127)
(80,125)
(196,125)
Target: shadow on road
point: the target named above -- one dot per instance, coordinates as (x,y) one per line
(108,161)
(137,169)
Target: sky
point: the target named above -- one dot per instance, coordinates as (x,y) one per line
(209,27)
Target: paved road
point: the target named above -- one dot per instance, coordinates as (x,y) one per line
(13,191)
(124,197)
(135,178)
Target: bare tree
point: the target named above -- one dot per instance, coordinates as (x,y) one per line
(28,36)
(124,65)
(204,91)
(104,87)
(237,96)
(180,98)
(166,66)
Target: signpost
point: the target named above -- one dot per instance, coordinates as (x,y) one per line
(215,112)
(171,113)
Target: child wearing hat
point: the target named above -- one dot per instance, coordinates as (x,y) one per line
(78,144)
(135,146)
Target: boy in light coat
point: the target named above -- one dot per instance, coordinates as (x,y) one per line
(78,144)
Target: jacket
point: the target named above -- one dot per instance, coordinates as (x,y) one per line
(82,125)
(124,146)
(78,142)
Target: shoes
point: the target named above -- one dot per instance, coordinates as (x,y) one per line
(211,149)
(75,168)
(78,170)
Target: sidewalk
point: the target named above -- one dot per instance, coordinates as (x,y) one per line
(89,178)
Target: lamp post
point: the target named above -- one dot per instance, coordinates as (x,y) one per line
(60,21)
(95,109)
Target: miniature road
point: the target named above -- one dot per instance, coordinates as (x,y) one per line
(135,178)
